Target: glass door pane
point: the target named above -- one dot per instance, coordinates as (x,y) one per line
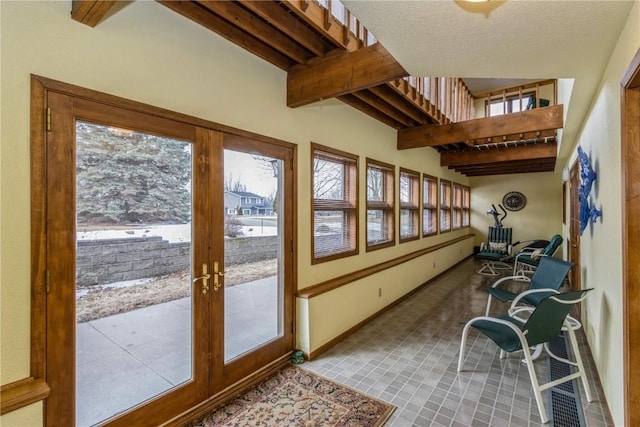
(253,292)
(134,298)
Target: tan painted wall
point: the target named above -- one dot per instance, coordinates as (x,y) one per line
(149,54)
(601,243)
(539,219)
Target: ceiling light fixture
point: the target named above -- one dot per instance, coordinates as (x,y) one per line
(479,6)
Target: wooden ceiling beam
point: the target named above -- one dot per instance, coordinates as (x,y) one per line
(340,74)
(495,155)
(367,109)
(230,32)
(399,102)
(236,15)
(538,119)
(540,165)
(384,107)
(505,165)
(90,12)
(512,170)
(289,24)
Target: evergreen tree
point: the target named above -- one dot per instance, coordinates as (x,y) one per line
(126,177)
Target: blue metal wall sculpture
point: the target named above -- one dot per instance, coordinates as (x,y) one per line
(587,175)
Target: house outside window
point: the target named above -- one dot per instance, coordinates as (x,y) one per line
(334,186)
(380,205)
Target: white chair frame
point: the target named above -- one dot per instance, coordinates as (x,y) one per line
(570,325)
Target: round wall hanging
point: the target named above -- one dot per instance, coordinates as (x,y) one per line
(514,200)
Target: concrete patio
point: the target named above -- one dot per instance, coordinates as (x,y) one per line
(128,358)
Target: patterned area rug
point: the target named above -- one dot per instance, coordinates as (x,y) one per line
(297,397)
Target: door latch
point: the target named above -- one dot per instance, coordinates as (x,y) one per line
(216,275)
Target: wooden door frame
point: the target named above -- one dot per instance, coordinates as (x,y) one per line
(574,210)
(630,141)
(35,388)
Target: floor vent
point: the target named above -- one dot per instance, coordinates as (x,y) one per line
(566,409)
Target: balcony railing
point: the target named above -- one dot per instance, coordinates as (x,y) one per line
(445,99)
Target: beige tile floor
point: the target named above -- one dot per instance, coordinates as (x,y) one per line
(408,357)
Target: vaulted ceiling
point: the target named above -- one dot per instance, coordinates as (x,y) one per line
(325,60)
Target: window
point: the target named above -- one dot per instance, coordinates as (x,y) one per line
(456,208)
(380,205)
(334,186)
(409,205)
(510,104)
(445,206)
(429,205)
(466,206)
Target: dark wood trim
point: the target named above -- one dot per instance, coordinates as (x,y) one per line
(125,103)
(262,31)
(630,142)
(352,205)
(34,388)
(539,119)
(510,154)
(315,353)
(38,223)
(289,25)
(90,12)
(335,283)
(342,73)
(21,393)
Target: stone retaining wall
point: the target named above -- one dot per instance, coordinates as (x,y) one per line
(115,260)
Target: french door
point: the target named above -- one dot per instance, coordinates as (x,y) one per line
(153,305)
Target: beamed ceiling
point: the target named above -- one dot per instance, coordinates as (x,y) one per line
(323,60)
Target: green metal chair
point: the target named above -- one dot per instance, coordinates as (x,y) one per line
(526,261)
(549,275)
(497,247)
(512,333)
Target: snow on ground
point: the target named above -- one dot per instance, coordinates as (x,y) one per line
(255,226)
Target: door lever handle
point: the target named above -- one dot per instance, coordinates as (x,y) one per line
(205,279)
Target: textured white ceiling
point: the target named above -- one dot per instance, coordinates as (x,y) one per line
(513,39)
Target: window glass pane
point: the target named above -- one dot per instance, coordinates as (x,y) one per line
(429,221)
(405,188)
(444,220)
(331,233)
(335,205)
(380,204)
(375,185)
(133,261)
(328,179)
(408,223)
(429,202)
(377,229)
